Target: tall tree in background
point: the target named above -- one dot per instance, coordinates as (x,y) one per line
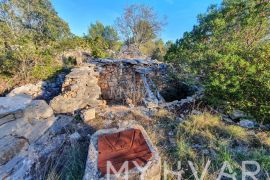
(139,24)
(230,50)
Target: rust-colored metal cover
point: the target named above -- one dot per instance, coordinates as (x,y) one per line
(128,145)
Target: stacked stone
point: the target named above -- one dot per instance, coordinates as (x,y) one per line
(22,122)
(120,82)
(80,90)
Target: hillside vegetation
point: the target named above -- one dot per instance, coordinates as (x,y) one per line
(33,39)
(229,50)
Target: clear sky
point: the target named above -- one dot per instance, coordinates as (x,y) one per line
(181,14)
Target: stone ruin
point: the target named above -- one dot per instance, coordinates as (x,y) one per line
(129,144)
(129,81)
(32,131)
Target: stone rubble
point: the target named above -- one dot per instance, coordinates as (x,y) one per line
(31,135)
(79,91)
(44,90)
(88,114)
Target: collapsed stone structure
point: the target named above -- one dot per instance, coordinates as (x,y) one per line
(79,91)
(129,81)
(32,132)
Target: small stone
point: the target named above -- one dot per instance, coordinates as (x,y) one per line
(88,114)
(228,120)
(179,120)
(247,123)
(74,137)
(195,112)
(170,133)
(237,115)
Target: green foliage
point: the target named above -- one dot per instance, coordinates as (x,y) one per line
(102,39)
(32,35)
(230,51)
(99,47)
(154,49)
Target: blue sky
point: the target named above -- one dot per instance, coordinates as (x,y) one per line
(181,14)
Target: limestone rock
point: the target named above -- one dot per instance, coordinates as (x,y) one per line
(38,109)
(79,90)
(22,122)
(60,125)
(32,90)
(88,114)
(237,115)
(74,137)
(247,123)
(13,104)
(45,90)
(10,146)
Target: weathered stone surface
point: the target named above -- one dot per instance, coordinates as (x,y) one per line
(88,114)
(22,122)
(247,123)
(33,90)
(236,115)
(10,146)
(13,104)
(50,149)
(45,90)
(152,168)
(128,81)
(79,90)
(38,109)
(59,127)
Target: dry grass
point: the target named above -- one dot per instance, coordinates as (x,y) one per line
(69,165)
(203,137)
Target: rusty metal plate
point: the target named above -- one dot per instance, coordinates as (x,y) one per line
(128,145)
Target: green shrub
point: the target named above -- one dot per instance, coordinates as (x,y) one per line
(229,51)
(45,70)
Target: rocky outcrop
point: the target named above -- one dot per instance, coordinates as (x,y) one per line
(45,90)
(22,122)
(50,151)
(79,91)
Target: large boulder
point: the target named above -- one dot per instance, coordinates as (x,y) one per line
(22,122)
(34,90)
(79,90)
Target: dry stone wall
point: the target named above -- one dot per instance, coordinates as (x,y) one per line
(128,81)
(79,91)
